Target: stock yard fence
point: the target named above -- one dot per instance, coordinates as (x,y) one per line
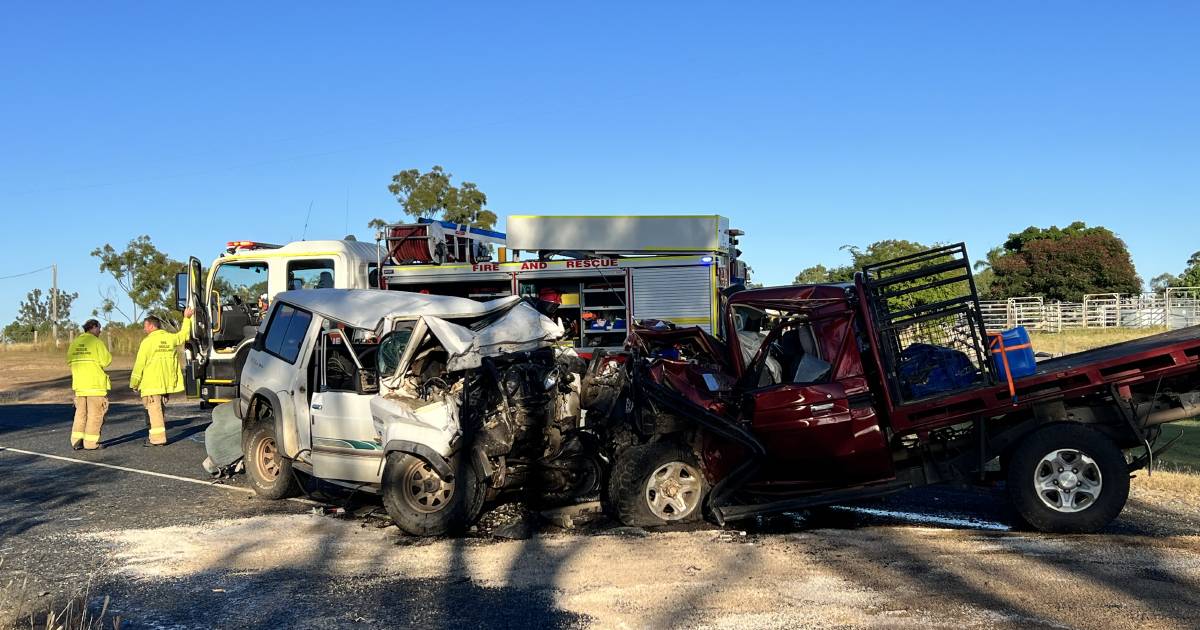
(1176,307)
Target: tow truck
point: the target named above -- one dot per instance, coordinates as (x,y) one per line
(231,299)
(833,393)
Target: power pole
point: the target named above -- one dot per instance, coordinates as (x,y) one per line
(54,301)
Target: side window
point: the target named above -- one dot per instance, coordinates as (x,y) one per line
(373,275)
(277,328)
(791,354)
(310,274)
(285,332)
(798,356)
(751,325)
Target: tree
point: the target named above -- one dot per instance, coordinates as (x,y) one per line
(1163,281)
(1190,277)
(1063,264)
(145,275)
(816,274)
(878,252)
(35,313)
(432,195)
(984,272)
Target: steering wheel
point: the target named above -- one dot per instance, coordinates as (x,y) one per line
(242,306)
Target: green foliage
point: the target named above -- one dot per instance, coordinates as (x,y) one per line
(432,195)
(878,252)
(985,274)
(816,274)
(1189,278)
(145,275)
(1063,264)
(35,313)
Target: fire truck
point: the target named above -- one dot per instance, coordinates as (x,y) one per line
(605,272)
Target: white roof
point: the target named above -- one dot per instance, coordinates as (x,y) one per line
(360,249)
(365,308)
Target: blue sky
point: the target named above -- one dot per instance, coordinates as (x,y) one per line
(811,125)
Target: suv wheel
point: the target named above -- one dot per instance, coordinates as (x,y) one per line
(657,484)
(421,503)
(1068,478)
(270,472)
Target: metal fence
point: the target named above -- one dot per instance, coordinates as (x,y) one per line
(1174,308)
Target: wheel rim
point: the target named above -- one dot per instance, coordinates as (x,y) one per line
(424,490)
(267,458)
(673,491)
(1067,480)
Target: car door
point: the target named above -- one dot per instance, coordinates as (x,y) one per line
(344,439)
(815,434)
(196,350)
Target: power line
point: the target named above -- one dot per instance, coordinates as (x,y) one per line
(27,273)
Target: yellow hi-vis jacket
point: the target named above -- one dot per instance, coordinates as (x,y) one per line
(156,369)
(88,356)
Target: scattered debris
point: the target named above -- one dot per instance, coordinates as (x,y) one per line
(503,516)
(329,510)
(520,528)
(632,532)
(567,517)
(730,536)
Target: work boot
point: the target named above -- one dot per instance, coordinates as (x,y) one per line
(98,447)
(75,446)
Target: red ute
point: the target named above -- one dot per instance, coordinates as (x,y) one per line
(829,393)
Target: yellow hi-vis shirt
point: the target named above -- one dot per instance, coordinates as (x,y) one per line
(88,356)
(156,369)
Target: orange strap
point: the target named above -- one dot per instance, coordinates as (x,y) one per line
(999,339)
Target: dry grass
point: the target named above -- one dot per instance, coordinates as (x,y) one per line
(121,342)
(21,605)
(34,375)
(1078,340)
(1186,485)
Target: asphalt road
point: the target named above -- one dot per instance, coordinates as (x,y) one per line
(173,550)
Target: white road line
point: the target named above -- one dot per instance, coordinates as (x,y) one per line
(151,473)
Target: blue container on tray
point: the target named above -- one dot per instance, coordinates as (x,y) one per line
(1015,346)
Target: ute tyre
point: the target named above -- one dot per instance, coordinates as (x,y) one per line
(270,473)
(1093,469)
(657,484)
(421,504)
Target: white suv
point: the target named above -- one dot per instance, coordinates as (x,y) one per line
(311,398)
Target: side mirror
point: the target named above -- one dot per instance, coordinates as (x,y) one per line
(181,290)
(391,348)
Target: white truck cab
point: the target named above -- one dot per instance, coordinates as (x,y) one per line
(231,298)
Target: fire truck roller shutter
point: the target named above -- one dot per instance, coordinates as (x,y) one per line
(682,295)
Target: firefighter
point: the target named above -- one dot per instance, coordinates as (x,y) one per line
(88,356)
(156,374)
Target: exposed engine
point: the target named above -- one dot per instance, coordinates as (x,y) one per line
(519,415)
